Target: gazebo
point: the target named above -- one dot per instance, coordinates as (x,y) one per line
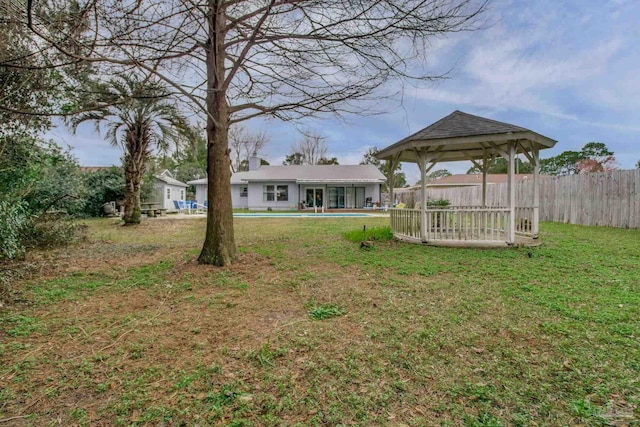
(465,137)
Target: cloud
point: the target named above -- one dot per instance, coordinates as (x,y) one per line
(546,58)
(509,73)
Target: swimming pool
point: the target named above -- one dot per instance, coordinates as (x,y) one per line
(298,215)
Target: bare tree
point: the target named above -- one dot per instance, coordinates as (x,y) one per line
(238,59)
(312,149)
(395,178)
(244,144)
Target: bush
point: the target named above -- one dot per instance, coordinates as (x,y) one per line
(438,203)
(13,222)
(57,183)
(36,177)
(101,187)
(53,231)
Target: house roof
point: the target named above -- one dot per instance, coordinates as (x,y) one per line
(166,177)
(308,174)
(236,178)
(317,173)
(460,136)
(198,181)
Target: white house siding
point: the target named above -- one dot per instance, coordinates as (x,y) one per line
(174,193)
(201,193)
(373,191)
(237,201)
(256,199)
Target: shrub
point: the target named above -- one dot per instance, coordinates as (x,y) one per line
(101,187)
(57,181)
(36,177)
(13,221)
(438,203)
(52,231)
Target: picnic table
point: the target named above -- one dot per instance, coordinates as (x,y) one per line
(152,209)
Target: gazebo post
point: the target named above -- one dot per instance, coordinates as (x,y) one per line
(484,177)
(536,192)
(511,189)
(422,164)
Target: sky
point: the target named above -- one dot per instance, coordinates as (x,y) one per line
(566,69)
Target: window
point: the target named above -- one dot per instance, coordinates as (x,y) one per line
(181,194)
(282,192)
(168,194)
(243,191)
(272,193)
(268,193)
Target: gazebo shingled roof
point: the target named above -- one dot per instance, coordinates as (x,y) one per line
(460,135)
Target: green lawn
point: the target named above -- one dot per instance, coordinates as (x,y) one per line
(307,328)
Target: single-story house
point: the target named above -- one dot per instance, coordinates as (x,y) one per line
(301,187)
(166,189)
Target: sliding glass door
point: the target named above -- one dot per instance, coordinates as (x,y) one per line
(336,197)
(314,197)
(344,197)
(359,197)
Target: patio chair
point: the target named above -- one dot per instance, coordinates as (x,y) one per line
(180,206)
(368,202)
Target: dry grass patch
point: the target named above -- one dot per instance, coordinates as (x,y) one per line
(127,329)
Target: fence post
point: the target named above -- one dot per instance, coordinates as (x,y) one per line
(536,193)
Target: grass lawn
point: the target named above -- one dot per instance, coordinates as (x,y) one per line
(307,328)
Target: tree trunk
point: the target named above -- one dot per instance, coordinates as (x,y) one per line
(219,244)
(133,174)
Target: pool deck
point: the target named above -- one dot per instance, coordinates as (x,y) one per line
(295,214)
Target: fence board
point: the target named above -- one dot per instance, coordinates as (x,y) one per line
(607,199)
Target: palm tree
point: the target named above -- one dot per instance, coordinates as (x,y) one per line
(140,118)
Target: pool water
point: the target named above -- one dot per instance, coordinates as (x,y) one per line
(298,215)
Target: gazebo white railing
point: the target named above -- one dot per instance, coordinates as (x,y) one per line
(460,223)
(464,137)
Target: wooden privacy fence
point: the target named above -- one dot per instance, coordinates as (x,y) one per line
(608,199)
